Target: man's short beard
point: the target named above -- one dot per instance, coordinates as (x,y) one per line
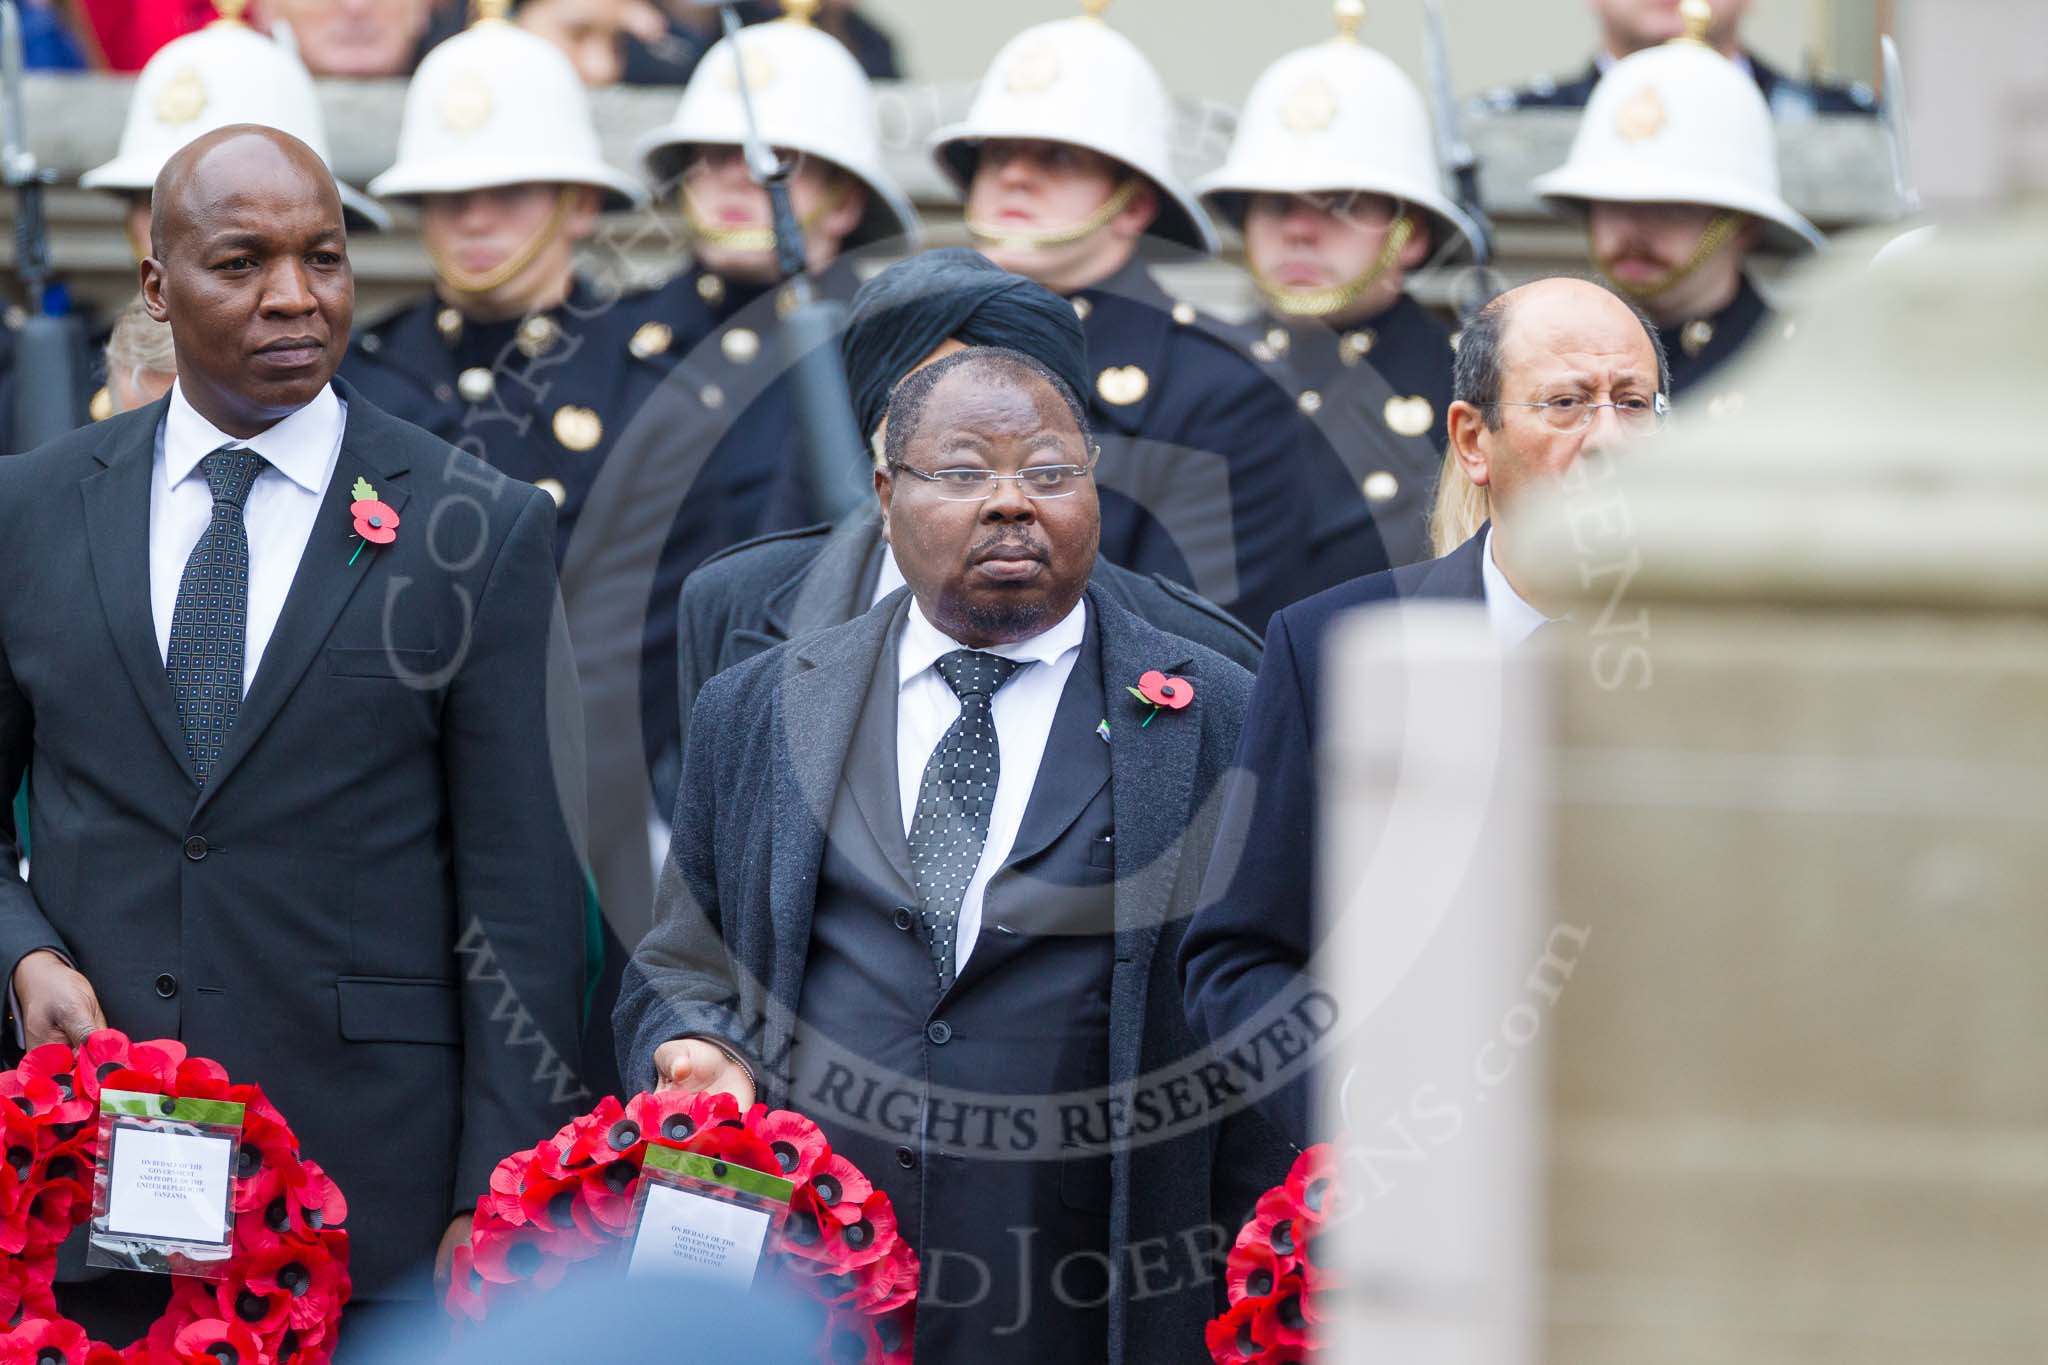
(1009,620)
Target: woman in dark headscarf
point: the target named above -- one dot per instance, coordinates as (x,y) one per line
(909,311)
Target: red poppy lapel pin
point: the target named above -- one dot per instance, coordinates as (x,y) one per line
(376,523)
(1161,693)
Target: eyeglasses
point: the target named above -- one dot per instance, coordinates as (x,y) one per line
(1040,483)
(1568,414)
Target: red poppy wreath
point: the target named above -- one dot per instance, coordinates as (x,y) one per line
(572,1201)
(281,1294)
(1275,1273)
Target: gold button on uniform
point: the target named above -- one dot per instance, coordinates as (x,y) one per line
(1122,385)
(448,322)
(1184,314)
(1310,402)
(651,339)
(537,335)
(711,289)
(740,345)
(1353,347)
(1380,486)
(475,384)
(1278,340)
(577,428)
(1082,308)
(711,396)
(1410,416)
(553,488)
(1263,353)
(1696,336)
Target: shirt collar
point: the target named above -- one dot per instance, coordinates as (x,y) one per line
(301,447)
(1512,618)
(924,644)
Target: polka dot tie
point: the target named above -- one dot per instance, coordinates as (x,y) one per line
(210,624)
(955,798)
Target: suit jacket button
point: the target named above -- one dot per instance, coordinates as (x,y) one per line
(167,985)
(906,1158)
(904,919)
(939,1031)
(195,848)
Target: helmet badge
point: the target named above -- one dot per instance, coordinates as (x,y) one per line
(466,103)
(1641,116)
(182,99)
(1034,70)
(1311,108)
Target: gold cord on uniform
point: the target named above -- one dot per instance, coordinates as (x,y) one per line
(708,233)
(1719,233)
(1014,239)
(483,282)
(1335,298)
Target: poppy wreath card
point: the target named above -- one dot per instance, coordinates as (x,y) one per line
(569,1206)
(280,1293)
(1275,1277)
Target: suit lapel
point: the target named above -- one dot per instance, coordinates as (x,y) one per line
(816,716)
(1071,771)
(324,582)
(871,770)
(117,537)
(1152,769)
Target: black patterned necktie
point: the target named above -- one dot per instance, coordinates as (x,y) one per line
(955,799)
(210,624)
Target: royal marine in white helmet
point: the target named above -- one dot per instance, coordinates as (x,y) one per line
(507,358)
(1209,473)
(1674,171)
(224,73)
(1631,26)
(1334,183)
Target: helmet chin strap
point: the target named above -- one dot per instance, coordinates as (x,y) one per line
(1335,298)
(707,233)
(462,281)
(1016,239)
(1719,233)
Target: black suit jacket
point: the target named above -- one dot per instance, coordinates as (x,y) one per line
(373,909)
(769,744)
(1253,937)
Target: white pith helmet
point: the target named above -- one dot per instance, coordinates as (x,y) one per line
(1680,124)
(223,74)
(1080,82)
(496,106)
(1337,117)
(810,95)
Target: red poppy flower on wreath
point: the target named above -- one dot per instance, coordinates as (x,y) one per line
(573,1197)
(283,1289)
(1273,1277)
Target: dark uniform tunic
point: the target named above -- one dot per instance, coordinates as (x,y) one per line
(1701,347)
(1790,99)
(1209,474)
(540,398)
(1378,390)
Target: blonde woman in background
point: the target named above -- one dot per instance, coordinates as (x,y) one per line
(141,366)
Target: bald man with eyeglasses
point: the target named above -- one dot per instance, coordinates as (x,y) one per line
(1545,373)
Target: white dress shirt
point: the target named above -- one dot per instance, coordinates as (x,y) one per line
(1023,707)
(283,504)
(1512,618)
